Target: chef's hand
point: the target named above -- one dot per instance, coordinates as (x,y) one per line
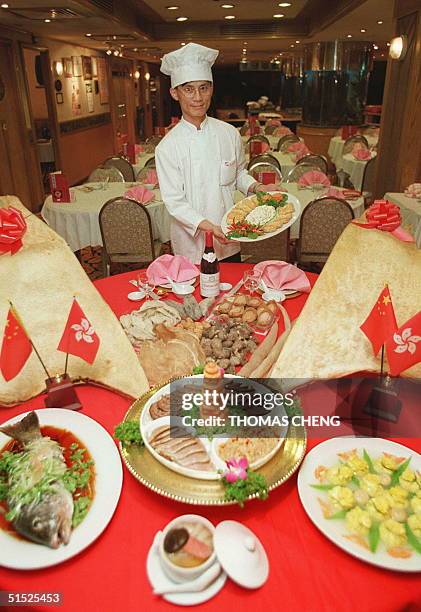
(208,226)
(255,187)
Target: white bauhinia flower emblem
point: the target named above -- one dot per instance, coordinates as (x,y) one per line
(84,331)
(406,342)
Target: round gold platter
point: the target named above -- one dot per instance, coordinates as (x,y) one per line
(160,479)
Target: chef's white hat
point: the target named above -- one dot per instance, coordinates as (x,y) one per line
(189,63)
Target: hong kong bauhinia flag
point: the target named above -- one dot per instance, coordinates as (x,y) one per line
(16,347)
(79,337)
(404,347)
(380,324)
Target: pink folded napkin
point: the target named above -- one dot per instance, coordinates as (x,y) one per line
(413,191)
(177,267)
(361,154)
(283,130)
(140,194)
(273,123)
(335,193)
(313,177)
(282,275)
(295,146)
(139,149)
(301,153)
(151,177)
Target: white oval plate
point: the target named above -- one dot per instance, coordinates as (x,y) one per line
(136,296)
(26,555)
(295,215)
(326,454)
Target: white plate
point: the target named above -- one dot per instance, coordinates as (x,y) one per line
(158,578)
(23,554)
(136,296)
(326,454)
(295,215)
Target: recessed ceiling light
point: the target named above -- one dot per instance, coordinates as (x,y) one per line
(172,8)
(279,15)
(349,36)
(4,5)
(182,44)
(363,30)
(227,6)
(375,47)
(47,20)
(387,44)
(229,16)
(284,4)
(245,43)
(108,52)
(380,22)
(298,42)
(182,18)
(292,45)
(88,34)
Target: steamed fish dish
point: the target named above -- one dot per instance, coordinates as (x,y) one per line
(40,507)
(379,499)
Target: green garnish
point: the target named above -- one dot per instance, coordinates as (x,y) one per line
(368,461)
(80,510)
(240,490)
(78,474)
(398,472)
(374,537)
(355,480)
(199,369)
(265,198)
(341,514)
(412,539)
(322,487)
(128,433)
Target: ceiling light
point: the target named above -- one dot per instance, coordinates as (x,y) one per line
(380,22)
(227,6)
(387,44)
(375,47)
(363,30)
(182,44)
(88,34)
(172,8)
(4,5)
(182,18)
(298,42)
(136,74)
(292,45)
(108,52)
(284,4)
(58,68)
(349,35)
(245,43)
(47,20)
(116,52)
(279,15)
(135,49)
(229,16)
(121,54)
(244,50)
(147,76)
(398,47)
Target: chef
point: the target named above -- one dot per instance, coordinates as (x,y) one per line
(200,162)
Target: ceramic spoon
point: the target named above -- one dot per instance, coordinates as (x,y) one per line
(193,586)
(180,288)
(278,294)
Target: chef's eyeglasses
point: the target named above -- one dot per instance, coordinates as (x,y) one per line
(190,91)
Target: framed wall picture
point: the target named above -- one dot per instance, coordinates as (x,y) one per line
(94,67)
(67,67)
(87,67)
(77,65)
(59,98)
(89,97)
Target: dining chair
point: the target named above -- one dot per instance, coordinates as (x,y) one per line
(297,172)
(257,169)
(369,175)
(266,158)
(125,167)
(258,138)
(269,129)
(102,175)
(285,141)
(317,161)
(321,223)
(154,140)
(150,163)
(141,176)
(353,140)
(126,231)
(246,126)
(276,247)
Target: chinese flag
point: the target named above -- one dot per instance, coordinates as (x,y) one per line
(15,348)
(380,324)
(404,347)
(79,337)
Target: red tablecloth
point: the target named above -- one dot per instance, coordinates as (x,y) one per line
(307,571)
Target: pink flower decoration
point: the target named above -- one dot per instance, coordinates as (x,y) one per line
(237,469)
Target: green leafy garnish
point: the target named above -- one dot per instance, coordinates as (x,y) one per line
(322,487)
(374,537)
(341,514)
(398,472)
(355,480)
(128,432)
(265,198)
(199,369)
(367,459)
(80,510)
(240,490)
(78,474)
(412,539)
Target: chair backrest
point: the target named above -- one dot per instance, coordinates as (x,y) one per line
(126,228)
(121,164)
(101,175)
(285,141)
(265,158)
(256,169)
(276,247)
(317,161)
(321,223)
(154,140)
(246,126)
(369,175)
(258,138)
(297,172)
(142,175)
(269,129)
(343,179)
(150,163)
(352,140)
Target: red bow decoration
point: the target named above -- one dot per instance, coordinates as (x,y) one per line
(12,228)
(385,216)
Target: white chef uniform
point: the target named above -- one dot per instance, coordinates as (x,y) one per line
(198,170)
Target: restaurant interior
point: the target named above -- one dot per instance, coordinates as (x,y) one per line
(253,228)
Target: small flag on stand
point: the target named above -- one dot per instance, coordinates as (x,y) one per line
(403,348)
(380,324)
(16,347)
(79,337)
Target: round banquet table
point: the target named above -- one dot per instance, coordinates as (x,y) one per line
(336,146)
(410,211)
(78,222)
(354,167)
(307,571)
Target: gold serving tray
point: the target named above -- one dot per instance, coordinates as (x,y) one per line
(160,479)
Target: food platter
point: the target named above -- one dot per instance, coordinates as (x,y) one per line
(290,200)
(164,481)
(25,555)
(326,454)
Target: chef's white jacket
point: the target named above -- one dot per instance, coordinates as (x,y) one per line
(198,172)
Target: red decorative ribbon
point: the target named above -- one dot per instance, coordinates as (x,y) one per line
(12,229)
(385,216)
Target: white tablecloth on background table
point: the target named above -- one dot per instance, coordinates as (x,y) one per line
(305,196)
(78,221)
(354,167)
(45,151)
(141,161)
(336,146)
(411,213)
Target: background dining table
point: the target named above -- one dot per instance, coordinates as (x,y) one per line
(410,211)
(78,222)
(141,160)
(307,571)
(336,146)
(354,167)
